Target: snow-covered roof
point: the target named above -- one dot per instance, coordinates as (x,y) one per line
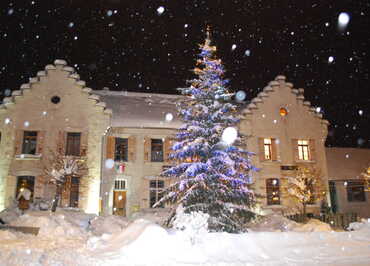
(135,109)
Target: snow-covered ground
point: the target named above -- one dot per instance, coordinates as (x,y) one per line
(73,238)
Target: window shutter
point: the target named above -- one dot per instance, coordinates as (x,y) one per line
(61,142)
(131,148)
(147,143)
(261,149)
(312,147)
(295,149)
(84,144)
(40,142)
(18,141)
(111,143)
(168,142)
(273,150)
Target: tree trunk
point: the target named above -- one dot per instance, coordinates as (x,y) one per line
(304,212)
(56,197)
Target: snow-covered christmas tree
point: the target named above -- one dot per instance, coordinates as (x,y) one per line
(212,172)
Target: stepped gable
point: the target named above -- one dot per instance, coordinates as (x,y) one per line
(59,65)
(141,110)
(279,82)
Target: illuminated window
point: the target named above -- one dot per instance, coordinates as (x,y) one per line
(29,142)
(303,150)
(283,111)
(156,188)
(267,147)
(273,191)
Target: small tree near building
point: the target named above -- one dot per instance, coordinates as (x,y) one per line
(306,187)
(59,169)
(366,175)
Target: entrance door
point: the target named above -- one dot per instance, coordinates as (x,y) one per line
(70,193)
(25,182)
(119,202)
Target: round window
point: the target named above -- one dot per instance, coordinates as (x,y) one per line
(283,111)
(55,99)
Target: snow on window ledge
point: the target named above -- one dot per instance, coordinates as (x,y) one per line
(28,156)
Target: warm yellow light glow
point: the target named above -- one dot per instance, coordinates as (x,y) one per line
(283,111)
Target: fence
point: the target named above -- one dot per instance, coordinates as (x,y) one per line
(336,220)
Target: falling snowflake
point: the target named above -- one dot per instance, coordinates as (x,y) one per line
(160,10)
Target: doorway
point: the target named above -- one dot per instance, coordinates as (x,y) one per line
(119,202)
(70,192)
(25,182)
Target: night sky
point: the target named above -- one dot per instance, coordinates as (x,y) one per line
(151,46)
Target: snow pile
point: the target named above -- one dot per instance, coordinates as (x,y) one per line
(109,242)
(364,225)
(194,224)
(163,247)
(7,235)
(61,223)
(10,214)
(313,225)
(109,224)
(278,223)
(272,223)
(145,243)
(155,215)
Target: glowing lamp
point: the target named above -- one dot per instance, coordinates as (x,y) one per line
(283,111)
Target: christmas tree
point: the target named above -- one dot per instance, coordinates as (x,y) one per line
(212,171)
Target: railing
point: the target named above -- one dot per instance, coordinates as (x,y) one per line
(336,220)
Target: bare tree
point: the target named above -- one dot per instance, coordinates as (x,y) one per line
(58,168)
(306,187)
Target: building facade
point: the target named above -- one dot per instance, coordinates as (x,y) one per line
(125,139)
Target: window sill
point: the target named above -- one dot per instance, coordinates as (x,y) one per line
(357,202)
(270,161)
(274,206)
(28,156)
(305,161)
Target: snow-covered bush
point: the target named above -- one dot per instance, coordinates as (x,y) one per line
(194,224)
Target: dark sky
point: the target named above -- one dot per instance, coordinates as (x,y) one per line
(151,46)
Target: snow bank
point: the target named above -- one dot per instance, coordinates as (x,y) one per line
(313,225)
(146,243)
(109,224)
(278,223)
(272,223)
(57,224)
(364,225)
(156,215)
(7,235)
(10,214)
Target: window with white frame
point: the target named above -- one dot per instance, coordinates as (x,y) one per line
(120,184)
(156,188)
(303,150)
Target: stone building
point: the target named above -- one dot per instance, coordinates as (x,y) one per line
(53,112)
(125,139)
